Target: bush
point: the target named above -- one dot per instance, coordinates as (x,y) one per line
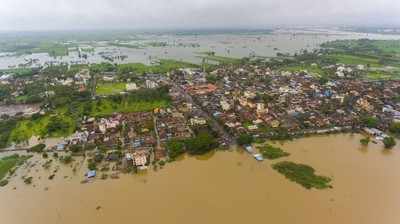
(37,148)
(370,122)
(389,142)
(76,148)
(3,183)
(28,180)
(365,141)
(92,165)
(66,159)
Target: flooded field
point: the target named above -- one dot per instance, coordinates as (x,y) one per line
(187,47)
(222,187)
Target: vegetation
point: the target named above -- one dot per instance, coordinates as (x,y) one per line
(110,88)
(395,128)
(66,159)
(245,139)
(315,70)
(6,128)
(53,48)
(389,142)
(376,55)
(10,162)
(272,152)
(175,148)
(69,109)
(370,122)
(302,174)
(201,143)
(365,141)
(37,148)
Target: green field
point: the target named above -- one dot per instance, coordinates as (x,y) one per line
(316,71)
(110,88)
(108,107)
(355,60)
(382,75)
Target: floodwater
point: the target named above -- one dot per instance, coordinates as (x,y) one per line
(223,187)
(179,46)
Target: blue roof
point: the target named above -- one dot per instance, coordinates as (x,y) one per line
(91,173)
(258,157)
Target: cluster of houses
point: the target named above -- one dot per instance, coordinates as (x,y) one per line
(256,100)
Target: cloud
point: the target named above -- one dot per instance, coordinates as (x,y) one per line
(148,14)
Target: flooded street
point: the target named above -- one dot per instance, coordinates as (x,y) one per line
(223,187)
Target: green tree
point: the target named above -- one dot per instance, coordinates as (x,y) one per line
(200,144)
(395,128)
(245,139)
(389,142)
(370,122)
(175,148)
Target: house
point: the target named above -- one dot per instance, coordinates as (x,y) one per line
(151,84)
(131,86)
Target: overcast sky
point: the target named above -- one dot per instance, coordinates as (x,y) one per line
(192,14)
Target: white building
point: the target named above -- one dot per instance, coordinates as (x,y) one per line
(131,86)
(151,84)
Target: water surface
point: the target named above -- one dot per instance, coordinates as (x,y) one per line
(223,187)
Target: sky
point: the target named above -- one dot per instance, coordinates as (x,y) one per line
(193,14)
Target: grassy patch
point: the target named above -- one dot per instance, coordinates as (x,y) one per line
(302,174)
(383,75)
(10,162)
(272,152)
(110,88)
(349,59)
(316,70)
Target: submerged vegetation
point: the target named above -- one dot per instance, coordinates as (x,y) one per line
(9,163)
(302,174)
(272,152)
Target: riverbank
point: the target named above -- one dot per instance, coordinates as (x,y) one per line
(225,186)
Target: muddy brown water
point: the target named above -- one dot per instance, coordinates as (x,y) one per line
(223,187)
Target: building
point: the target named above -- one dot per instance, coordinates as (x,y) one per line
(151,84)
(131,86)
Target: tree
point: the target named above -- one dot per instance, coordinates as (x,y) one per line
(370,122)
(175,148)
(200,144)
(57,125)
(395,128)
(245,139)
(389,142)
